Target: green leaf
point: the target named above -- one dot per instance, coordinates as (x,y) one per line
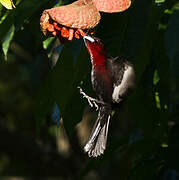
(20,15)
(80,72)
(44,103)
(47,42)
(61,86)
(66,76)
(1,7)
(171,36)
(25,10)
(6,22)
(7,40)
(62,77)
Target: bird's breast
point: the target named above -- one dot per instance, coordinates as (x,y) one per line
(102,83)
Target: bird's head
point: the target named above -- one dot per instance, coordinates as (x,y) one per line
(95,47)
(93,43)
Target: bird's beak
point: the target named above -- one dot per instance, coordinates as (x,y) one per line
(88,38)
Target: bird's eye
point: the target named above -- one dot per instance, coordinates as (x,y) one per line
(98,41)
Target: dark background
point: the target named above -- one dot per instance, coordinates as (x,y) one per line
(143,140)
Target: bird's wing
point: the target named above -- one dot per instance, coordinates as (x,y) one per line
(124,82)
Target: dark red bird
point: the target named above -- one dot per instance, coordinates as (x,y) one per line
(112,78)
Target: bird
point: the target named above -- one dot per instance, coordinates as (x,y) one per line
(112,79)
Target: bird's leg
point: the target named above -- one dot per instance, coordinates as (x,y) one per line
(92,101)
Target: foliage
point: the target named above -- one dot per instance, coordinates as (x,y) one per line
(37,73)
(8,4)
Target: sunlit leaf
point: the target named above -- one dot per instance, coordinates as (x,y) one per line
(156,77)
(47,42)
(8,4)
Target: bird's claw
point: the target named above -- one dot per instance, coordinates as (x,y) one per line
(92,102)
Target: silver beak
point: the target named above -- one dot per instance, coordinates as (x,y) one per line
(89,38)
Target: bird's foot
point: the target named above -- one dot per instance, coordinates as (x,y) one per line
(92,101)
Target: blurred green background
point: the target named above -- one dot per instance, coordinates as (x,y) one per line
(45,122)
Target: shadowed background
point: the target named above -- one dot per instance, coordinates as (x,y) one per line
(45,122)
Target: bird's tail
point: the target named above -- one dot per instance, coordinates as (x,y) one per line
(98,138)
